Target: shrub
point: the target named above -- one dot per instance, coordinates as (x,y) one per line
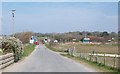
(12,45)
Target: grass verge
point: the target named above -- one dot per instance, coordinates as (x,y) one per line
(28,50)
(51,48)
(98,67)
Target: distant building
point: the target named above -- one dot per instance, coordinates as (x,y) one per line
(55,41)
(32,40)
(46,40)
(86,40)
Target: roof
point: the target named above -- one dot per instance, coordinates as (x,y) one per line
(86,38)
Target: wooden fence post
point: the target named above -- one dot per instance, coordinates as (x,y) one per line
(80,54)
(69,51)
(96,58)
(104,59)
(118,63)
(93,55)
(74,53)
(90,56)
(115,61)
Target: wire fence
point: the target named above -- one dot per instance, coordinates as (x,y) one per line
(111,60)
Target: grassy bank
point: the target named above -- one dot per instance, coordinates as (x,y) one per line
(52,48)
(98,67)
(28,50)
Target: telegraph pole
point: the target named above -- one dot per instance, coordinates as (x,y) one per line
(13,22)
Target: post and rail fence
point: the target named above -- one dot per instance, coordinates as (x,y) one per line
(111,60)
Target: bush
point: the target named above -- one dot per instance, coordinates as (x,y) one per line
(12,45)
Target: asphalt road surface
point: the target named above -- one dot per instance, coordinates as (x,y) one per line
(45,60)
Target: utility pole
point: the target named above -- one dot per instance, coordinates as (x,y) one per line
(13,22)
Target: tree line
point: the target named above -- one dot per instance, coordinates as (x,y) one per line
(78,36)
(71,36)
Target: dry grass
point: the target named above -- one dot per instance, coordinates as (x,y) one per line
(88,48)
(97,48)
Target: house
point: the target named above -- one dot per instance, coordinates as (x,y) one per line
(32,40)
(46,40)
(86,40)
(55,41)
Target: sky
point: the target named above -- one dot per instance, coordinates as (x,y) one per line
(59,17)
(0,18)
(59,0)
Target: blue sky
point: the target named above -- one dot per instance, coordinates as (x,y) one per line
(59,0)
(60,16)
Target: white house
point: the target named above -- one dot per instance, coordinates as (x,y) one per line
(32,40)
(55,41)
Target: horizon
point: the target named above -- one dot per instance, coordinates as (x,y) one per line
(58,32)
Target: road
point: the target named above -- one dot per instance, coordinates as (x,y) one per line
(45,60)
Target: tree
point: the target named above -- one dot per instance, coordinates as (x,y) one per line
(89,33)
(24,36)
(105,34)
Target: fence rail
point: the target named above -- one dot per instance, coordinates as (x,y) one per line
(111,60)
(6,60)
